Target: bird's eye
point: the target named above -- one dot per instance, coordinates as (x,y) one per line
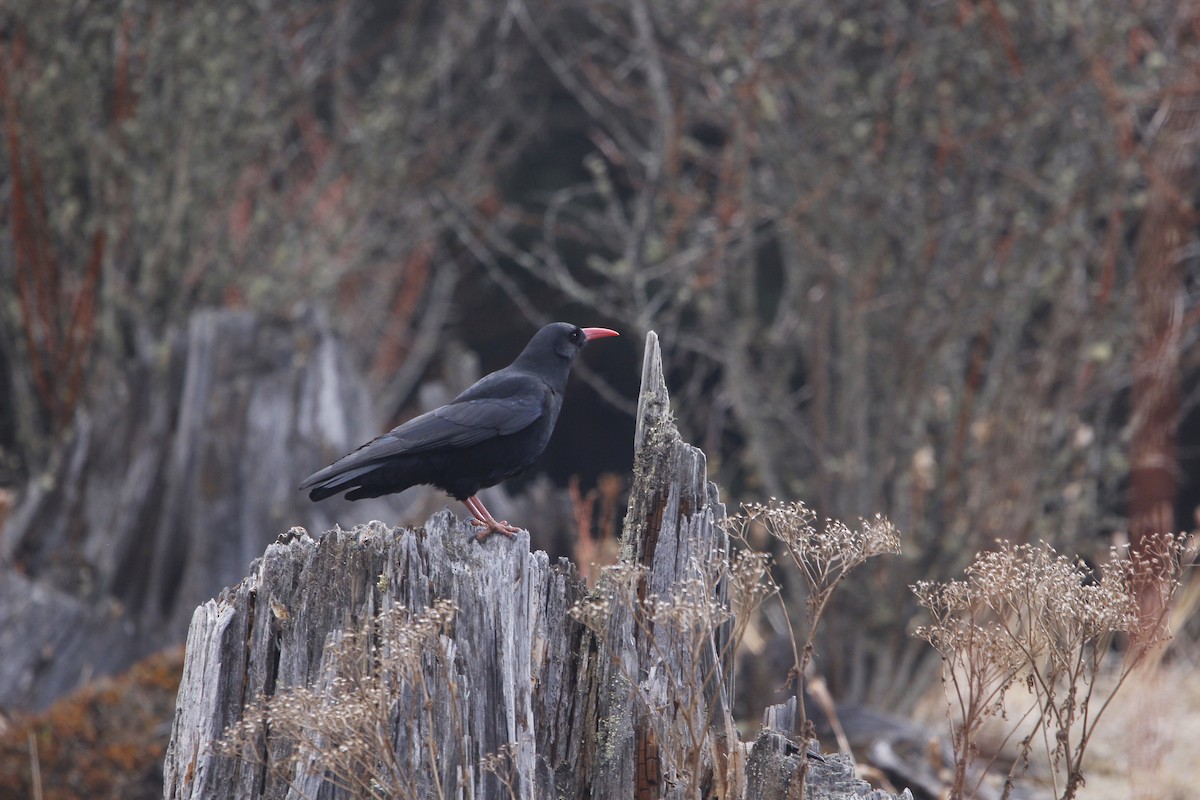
(575,334)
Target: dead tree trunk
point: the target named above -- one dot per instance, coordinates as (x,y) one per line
(527,693)
(170,481)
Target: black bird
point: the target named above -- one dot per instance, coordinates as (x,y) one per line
(491,432)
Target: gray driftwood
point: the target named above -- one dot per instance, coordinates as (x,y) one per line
(579,710)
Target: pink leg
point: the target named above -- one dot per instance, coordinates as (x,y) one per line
(484,518)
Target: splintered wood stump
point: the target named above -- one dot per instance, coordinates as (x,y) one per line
(328,672)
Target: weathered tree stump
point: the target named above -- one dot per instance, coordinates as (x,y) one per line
(169,483)
(519,696)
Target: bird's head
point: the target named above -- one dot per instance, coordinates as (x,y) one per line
(559,343)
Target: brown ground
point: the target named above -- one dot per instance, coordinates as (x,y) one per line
(105,741)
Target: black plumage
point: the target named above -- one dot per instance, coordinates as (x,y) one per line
(493,431)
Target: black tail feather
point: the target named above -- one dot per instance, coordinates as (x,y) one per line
(374,480)
(321,492)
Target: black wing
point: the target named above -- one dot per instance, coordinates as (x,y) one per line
(465,423)
(460,424)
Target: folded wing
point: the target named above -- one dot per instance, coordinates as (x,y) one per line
(459,425)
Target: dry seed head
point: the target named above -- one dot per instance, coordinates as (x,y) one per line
(1052,603)
(617,585)
(749,581)
(592,612)
(835,544)
(498,761)
(689,606)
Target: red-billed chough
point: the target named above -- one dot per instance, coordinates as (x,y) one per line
(491,432)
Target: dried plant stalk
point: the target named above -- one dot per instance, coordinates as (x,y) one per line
(1027,615)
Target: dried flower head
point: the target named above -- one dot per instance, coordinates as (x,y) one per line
(617,584)
(749,582)
(823,552)
(690,605)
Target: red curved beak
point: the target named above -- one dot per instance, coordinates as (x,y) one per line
(598,333)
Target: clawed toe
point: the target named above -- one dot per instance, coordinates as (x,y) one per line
(489,528)
(483,519)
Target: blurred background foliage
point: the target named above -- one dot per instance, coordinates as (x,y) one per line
(935,260)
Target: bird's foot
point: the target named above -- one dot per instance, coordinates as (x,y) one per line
(493,526)
(483,518)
